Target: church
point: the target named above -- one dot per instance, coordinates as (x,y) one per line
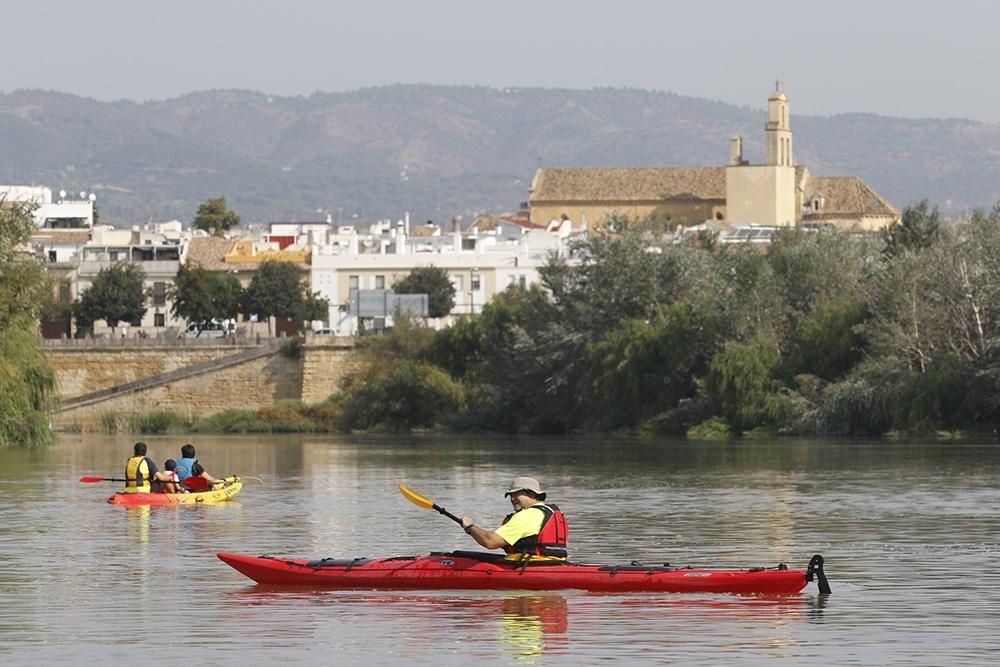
(776,193)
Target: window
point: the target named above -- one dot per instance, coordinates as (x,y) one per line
(52,255)
(159,320)
(522,281)
(475,284)
(64,293)
(379,282)
(353,282)
(458,282)
(159,294)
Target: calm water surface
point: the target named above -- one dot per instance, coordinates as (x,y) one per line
(909,530)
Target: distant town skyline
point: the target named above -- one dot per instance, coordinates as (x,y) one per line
(890,58)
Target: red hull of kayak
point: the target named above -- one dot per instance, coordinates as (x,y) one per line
(454,571)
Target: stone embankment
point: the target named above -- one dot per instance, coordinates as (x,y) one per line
(191,378)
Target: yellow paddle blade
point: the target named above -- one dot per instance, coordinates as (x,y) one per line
(414,497)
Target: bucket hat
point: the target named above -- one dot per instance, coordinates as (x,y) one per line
(526,484)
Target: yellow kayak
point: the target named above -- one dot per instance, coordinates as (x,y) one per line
(219,493)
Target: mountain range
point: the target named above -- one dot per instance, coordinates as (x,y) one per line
(440,151)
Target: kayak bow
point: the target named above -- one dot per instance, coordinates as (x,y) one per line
(473,570)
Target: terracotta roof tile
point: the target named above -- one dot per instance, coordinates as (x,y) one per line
(425,230)
(629,184)
(209,251)
(846,196)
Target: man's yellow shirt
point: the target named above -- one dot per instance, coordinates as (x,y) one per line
(525,523)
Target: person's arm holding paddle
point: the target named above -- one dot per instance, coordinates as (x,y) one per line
(485,538)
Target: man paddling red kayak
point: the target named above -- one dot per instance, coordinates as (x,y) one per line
(534,527)
(471,570)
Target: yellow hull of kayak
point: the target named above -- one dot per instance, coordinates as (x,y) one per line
(221,493)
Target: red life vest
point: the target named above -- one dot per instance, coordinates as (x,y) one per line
(551,538)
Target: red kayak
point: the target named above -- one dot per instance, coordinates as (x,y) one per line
(474,570)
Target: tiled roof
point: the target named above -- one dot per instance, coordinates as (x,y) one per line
(209,252)
(61,236)
(425,230)
(629,184)
(487,223)
(845,196)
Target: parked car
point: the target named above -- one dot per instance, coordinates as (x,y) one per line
(323,332)
(214,329)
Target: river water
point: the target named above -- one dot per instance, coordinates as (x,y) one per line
(909,530)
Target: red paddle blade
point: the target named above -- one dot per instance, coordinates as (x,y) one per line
(90,480)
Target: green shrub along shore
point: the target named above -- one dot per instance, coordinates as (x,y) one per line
(283,417)
(819,333)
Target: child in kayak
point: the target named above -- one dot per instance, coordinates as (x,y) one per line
(172,483)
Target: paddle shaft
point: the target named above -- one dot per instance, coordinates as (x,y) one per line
(447,513)
(208,487)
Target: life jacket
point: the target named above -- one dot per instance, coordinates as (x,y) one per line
(185,468)
(551,538)
(137,475)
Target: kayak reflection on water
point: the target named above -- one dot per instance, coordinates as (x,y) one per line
(525,626)
(532,624)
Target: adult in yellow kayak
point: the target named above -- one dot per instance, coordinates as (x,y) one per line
(533,528)
(140,471)
(189,470)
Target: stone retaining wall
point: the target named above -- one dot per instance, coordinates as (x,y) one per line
(211,387)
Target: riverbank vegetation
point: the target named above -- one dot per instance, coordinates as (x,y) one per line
(27,385)
(819,333)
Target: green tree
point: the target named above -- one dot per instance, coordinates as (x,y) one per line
(642,368)
(435,283)
(24,285)
(200,296)
(116,295)
(316,307)
(741,382)
(830,341)
(393,387)
(918,227)
(214,218)
(27,385)
(410,394)
(276,290)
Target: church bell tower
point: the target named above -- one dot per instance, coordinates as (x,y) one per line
(777,132)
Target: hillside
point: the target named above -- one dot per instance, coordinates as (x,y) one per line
(438,151)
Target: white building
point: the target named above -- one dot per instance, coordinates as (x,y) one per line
(66,212)
(479,266)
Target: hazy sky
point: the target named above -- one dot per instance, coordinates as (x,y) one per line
(891,57)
